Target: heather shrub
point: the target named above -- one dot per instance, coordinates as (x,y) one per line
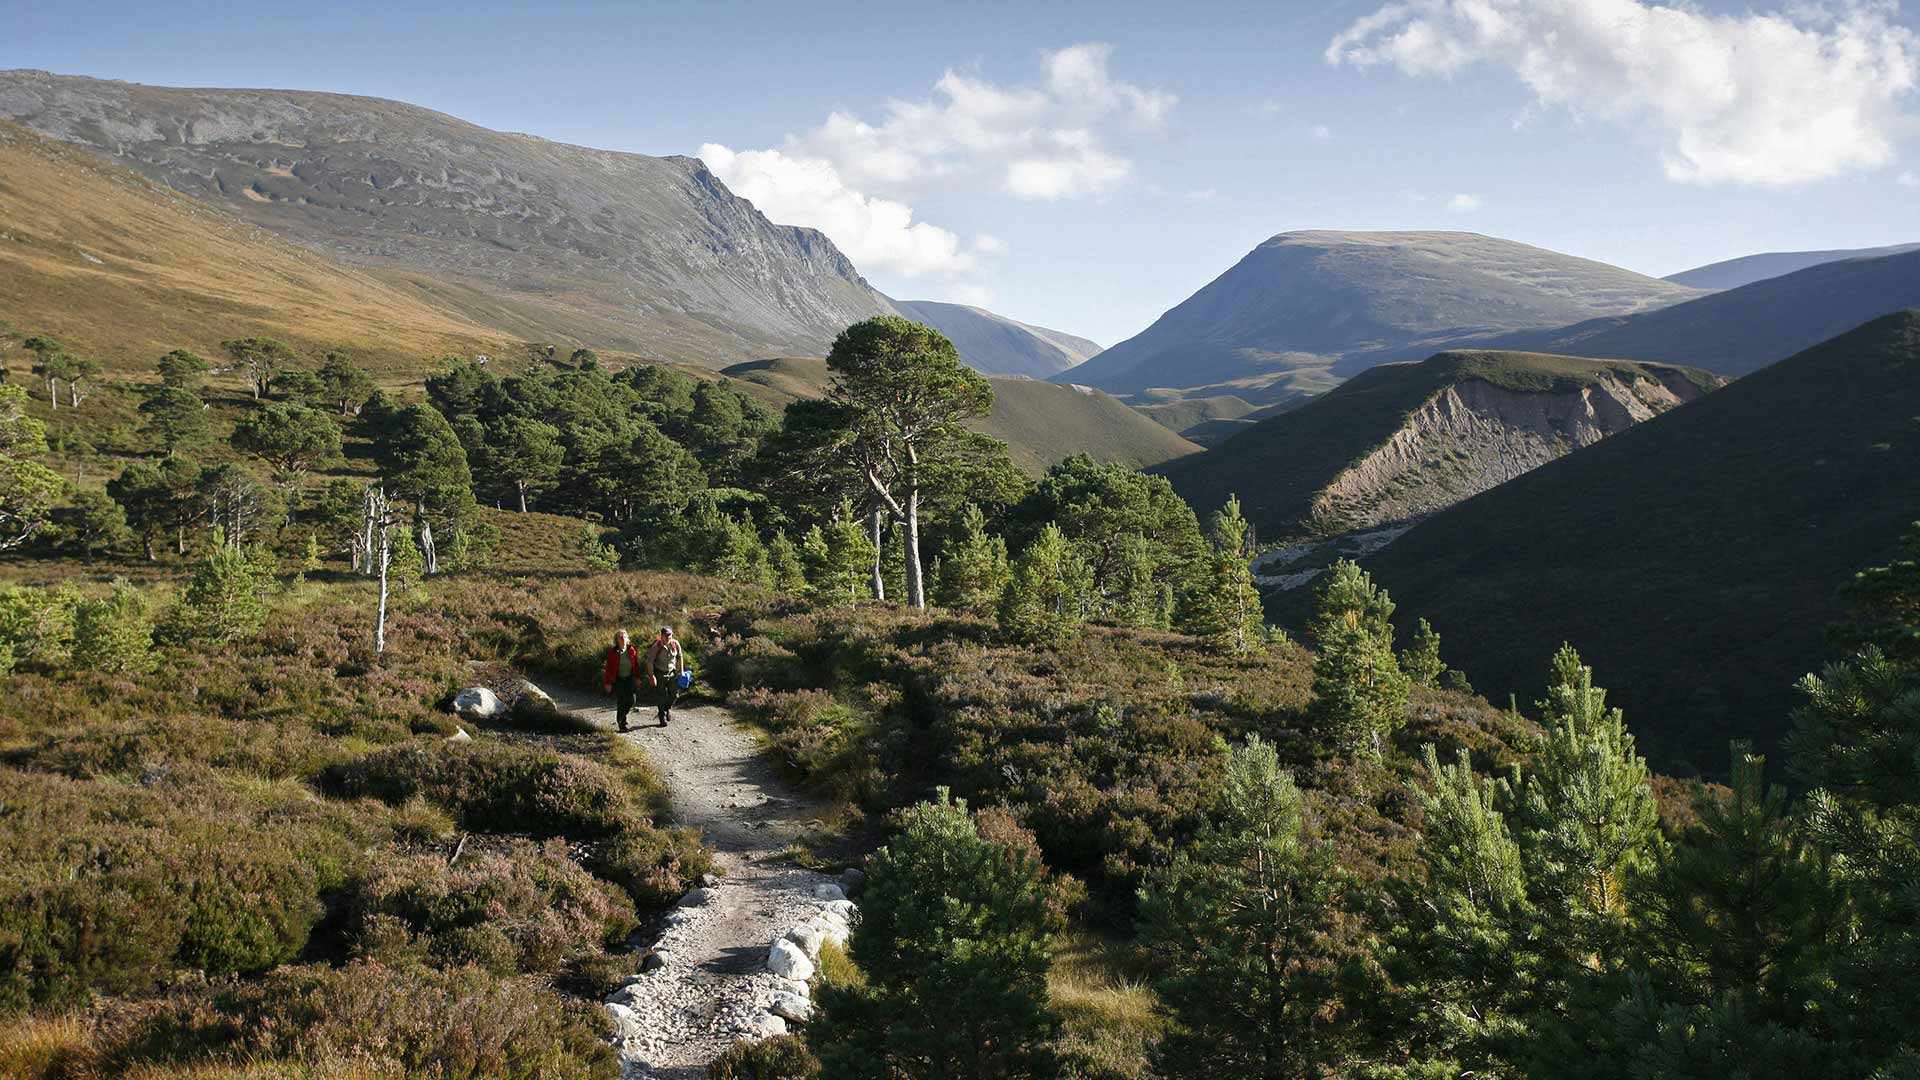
(822,738)
(655,866)
(524,907)
(115,932)
(494,787)
(783,1057)
(457,1024)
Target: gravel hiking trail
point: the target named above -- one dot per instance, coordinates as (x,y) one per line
(714,980)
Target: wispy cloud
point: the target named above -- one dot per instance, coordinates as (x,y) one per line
(1908,179)
(1801,95)
(1463,203)
(1319,133)
(852,178)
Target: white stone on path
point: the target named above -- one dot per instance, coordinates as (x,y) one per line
(626,1022)
(791,1007)
(829,892)
(808,937)
(765,1026)
(789,961)
(477,703)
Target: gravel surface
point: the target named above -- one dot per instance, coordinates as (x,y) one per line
(712,986)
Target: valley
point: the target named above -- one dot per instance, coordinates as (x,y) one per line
(1415,655)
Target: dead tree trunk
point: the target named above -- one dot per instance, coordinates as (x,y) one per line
(380,521)
(877,524)
(429,555)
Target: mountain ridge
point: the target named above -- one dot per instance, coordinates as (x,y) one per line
(648,254)
(1747,269)
(1000,345)
(1304,309)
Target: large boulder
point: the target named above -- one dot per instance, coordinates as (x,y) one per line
(626,1022)
(851,879)
(532,705)
(791,1007)
(789,961)
(478,703)
(808,937)
(829,892)
(841,909)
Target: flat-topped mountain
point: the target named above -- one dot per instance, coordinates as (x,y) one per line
(1733,273)
(1694,559)
(998,345)
(1401,441)
(1305,309)
(1747,328)
(543,239)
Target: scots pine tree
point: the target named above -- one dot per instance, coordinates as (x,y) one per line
(974,570)
(1421,658)
(1241,925)
(1227,610)
(953,939)
(226,600)
(1360,693)
(783,564)
(1046,592)
(114,634)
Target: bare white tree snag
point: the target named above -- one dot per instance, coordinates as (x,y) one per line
(429,555)
(380,523)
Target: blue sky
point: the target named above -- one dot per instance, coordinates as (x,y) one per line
(1087,166)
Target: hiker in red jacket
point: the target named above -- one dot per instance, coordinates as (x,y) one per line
(622,676)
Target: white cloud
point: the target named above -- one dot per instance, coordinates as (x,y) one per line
(1908,179)
(1320,133)
(1782,98)
(1042,141)
(1463,203)
(873,232)
(989,244)
(1202,194)
(971,293)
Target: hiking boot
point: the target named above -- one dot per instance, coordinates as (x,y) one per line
(623,727)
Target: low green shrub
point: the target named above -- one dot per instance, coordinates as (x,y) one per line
(248,907)
(783,1057)
(655,866)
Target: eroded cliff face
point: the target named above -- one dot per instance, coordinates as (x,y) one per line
(1474,435)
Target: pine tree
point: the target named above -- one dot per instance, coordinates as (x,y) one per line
(1227,610)
(1459,953)
(1239,925)
(1360,693)
(1588,808)
(1046,592)
(783,563)
(839,558)
(601,556)
(114,634)
(182,370)
(974,570)
(953,939)
(1421,658)
(1734,936)
(226,599)
(409,566)
(176,418)
(1856,741)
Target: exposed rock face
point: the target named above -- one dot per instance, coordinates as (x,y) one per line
(540,239)
(1474,435)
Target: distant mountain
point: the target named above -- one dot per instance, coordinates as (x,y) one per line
(1400,441)
(123,269)
(1205,420)
(1305,309)
(1748,269)
(1693,560)
(1041,423)
(1747,328)
(998,345)
(541,239)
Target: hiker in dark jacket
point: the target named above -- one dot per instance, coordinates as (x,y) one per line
(665,662)
(622,676)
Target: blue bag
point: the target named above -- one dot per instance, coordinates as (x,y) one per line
(684,679)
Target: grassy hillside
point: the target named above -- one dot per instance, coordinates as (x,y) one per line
(1746,329)
(1041,423)
(998,345)
(625,251)
(1280,466)
(1692,560)
(1305,308)
(124,270)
